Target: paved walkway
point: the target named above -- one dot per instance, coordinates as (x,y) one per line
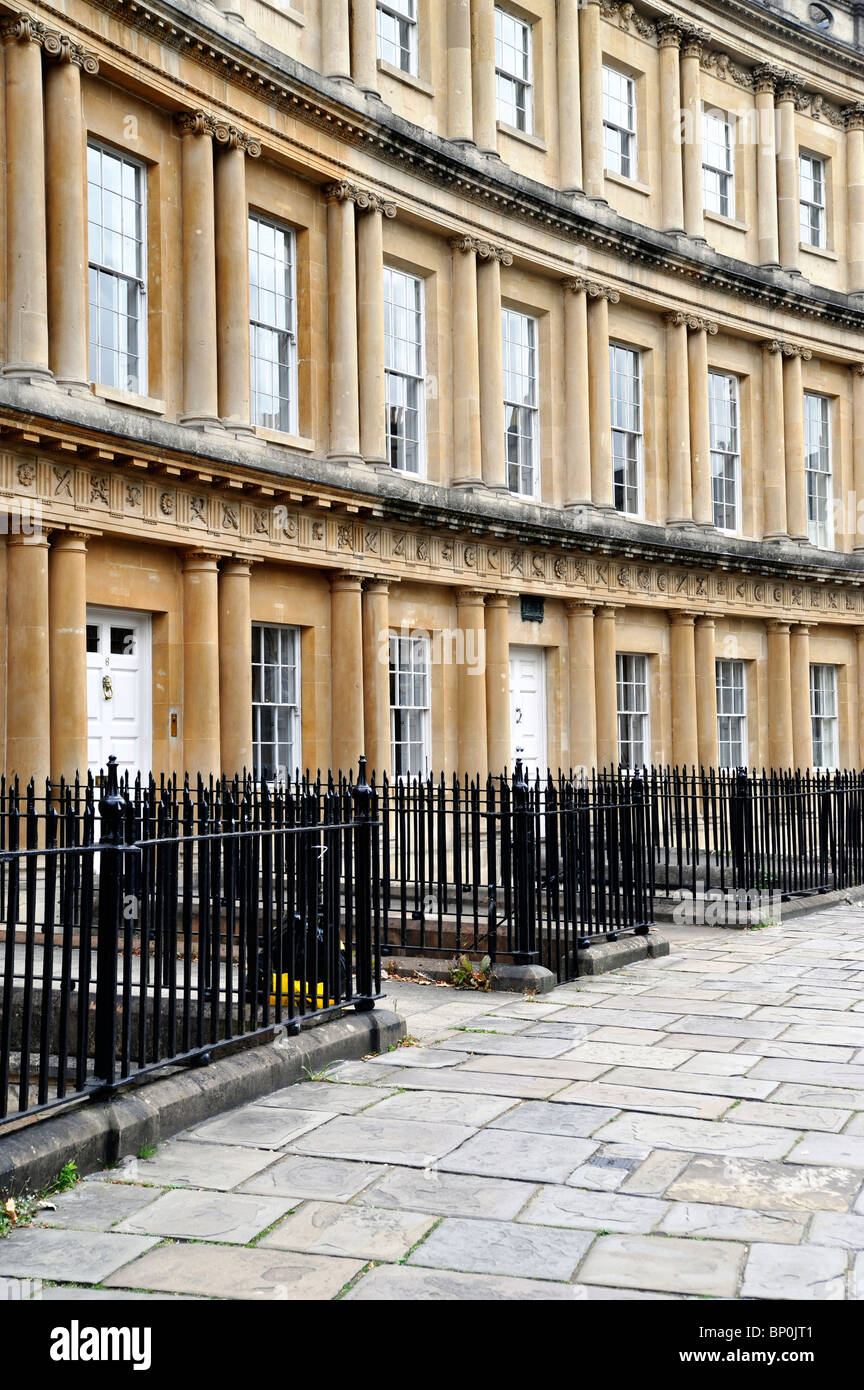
(692,1126)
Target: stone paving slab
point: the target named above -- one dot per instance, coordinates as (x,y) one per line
(806,1052)
(365,1233)
(412,1143)
(707,1267)
(436,1107)
(620,1055)
(800,1117)
(524,1157)
(486,1081)
(227,1217)
(257,1127)
(836,1149)
(427,1057)
(81,1257)
(330,1179)
(765,1186)
(217,1271)
(593,1211)
(499,1247)
(405,1283)
(549,1068)
(96,1206)
(659,1102)
(697,1042)
(831,1097)
(710,1220)
(838,1228)
(802,1272)
(547,1117)
(653,1176)
(445,1194)
(735,1087)
(178,1164)
(336,1097)
(517,1045)
(705,1136)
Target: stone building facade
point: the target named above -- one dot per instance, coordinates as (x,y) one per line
(444,379)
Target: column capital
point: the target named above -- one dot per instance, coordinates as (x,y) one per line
(802,626)
(378,584)
(483,249)
(787,349)
(693,40)
(853,115)
(200,560)
(683,617)
(24,28)
(778,625)
(669,31)
(470,598)
(38,541)
(592,288)
(607,610)
(694,322)
(857,368)
(787,85)
(363,198)
(196,123)
(344,580)
(706,620)
(235,565)
(70,540)
(766,77)
(498,601)
(65,50)
(235,139)
(577,607)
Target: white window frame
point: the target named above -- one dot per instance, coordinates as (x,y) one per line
(632,674)
(813,206)
(620,142)
(824,716)
(403,15)
(525,411)
(514,90)
(289,711)
(139,384)
(819,479)
(262,331)
(634,432)
(410,666)
(399,380)
(731,688)
(718,163)
(723,457)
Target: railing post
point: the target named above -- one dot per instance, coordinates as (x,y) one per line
(108,932)
(363,970)
(740,824)
(523,870)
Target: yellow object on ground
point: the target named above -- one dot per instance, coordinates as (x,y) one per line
(317,1000)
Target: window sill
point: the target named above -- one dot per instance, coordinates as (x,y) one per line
(286,12)
(409,78)
(524,135)
(725,221)
(823,251)
(632,184)
(288,441)
(115,396)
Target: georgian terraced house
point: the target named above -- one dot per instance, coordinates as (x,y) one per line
(447,381)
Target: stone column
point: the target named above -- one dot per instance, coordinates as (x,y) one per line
(591,75)
(376,676)
(855,195)
(370,329)
(235,666)
(483,73)
(498,683)
(799,670)
(691,102)
(773,444)
(859,634)
(66,185)
(793,433)
(460,120)
(679,506)
(364,44)
(28,701)
(346,671)
(605,686)
(67,653)
(200,358)
(779,696)
(201,726)
(671,185)
(700,434)
(336,40)
(788,195)
(232,280)
(26,255)
(342,323)
(706,690)
(569,98)
(766,167)
(491,366)
(582,682)
(473,756)
(856,511)
(577,416)
(682,663)
(467,453)
(599,410)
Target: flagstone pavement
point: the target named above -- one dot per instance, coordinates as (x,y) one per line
(687,1127)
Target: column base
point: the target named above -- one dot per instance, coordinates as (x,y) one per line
(470,484)
(683,523)
(343,456)
(583,505)
(241,431)
(777,538)
(383,465)
(28,372)
(203,422)
(74,386)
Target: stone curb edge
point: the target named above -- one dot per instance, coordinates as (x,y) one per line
(102,1132)
(596,959)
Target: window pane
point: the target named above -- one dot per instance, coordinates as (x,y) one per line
(275,701)
(115,223)
(272,334)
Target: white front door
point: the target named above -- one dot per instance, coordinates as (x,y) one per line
(528,708)
(118,690)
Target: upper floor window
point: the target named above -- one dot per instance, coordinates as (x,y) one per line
(409,704)
(513,71)
(521,412)
(275,701)
(817,464)
(823,715)
(116,222)
(403,356)
(718,164)
(397,34)
(625,379)
(273,331)
(811,184)
(631,673)
(723,419)
(731,714)
(619,123)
